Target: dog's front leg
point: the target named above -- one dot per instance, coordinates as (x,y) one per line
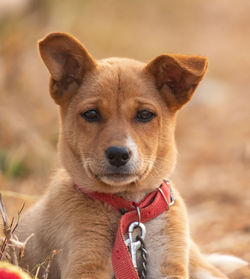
(92,264)
(176,256)
(83,271)
(90,235)
(168,256)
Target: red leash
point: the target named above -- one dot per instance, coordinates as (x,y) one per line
(150,207)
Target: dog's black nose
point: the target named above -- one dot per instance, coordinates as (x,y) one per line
(118,155)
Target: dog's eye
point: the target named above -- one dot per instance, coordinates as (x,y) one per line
(145,115)
(91,115)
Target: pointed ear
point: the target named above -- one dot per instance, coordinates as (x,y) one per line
(67,61)
(177,76)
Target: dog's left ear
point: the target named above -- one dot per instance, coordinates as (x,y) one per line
(177,76)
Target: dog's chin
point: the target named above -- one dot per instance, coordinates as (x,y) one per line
(118,180)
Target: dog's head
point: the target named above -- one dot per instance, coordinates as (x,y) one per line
(117,115)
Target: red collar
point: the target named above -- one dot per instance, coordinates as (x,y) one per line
(150,207)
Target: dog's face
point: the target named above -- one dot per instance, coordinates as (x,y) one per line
(118,115)
(118,125)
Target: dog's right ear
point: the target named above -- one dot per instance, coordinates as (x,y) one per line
(67,61)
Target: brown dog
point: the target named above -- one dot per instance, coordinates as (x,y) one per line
(116,136)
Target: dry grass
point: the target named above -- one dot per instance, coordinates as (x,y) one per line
(12,249)
(213,131)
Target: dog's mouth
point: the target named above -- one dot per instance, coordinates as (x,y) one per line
(115,177)
(118,179)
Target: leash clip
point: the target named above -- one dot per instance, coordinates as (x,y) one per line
(135,245)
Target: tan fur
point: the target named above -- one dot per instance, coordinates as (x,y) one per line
(84,228)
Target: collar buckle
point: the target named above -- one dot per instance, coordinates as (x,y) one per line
(171,195)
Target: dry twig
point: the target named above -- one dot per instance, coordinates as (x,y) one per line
(46,265)
(11,248)
(50,259)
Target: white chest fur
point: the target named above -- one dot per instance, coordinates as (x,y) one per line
(156,245)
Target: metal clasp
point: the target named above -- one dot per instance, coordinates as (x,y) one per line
(132,244)
(171,195)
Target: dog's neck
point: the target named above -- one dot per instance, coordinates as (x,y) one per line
(131,193)
(134,196)
(138,194)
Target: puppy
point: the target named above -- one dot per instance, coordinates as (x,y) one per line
(116,138)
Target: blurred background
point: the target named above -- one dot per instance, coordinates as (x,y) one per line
(213,131)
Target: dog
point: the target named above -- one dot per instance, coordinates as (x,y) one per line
(116,141)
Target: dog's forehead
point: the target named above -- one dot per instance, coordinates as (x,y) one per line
(121,62)
(120,74)
(121,77)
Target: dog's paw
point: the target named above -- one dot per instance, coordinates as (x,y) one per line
(176,277)
(226,263)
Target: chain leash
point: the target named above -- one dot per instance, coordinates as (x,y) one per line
(144,254)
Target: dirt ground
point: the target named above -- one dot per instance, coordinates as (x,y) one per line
(213,131)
